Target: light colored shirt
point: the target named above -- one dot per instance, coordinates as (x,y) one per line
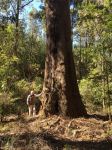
(35,95)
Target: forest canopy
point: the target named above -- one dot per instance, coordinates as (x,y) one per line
(23,44)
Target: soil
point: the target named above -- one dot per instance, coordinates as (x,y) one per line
(56,133)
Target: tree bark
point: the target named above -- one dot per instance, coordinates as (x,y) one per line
(61,94)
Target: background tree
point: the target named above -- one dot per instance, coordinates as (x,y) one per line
(93,49)
(22,71)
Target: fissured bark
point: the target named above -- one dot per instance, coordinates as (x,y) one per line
(61,93)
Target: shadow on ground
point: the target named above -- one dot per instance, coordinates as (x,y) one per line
(46,141)
(99,117)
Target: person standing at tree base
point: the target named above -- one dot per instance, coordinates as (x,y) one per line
(31,102)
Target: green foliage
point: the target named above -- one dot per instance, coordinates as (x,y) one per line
(38,84)
(4,104)
(91,93)
(21,65)
(93,53)
(22,88)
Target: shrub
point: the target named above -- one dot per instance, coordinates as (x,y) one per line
(91,93)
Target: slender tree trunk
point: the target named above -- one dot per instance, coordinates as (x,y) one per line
(108,93)
(80,60)
(106,84)
(104,101)
(17,28)
(103,83)
(61,93)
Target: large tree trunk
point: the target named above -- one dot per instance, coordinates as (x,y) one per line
(61,93)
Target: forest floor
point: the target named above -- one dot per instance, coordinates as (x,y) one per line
(56,133)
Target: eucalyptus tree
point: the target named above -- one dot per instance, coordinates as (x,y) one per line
(61,93)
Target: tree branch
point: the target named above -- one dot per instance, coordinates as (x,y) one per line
(13,8)
(26,4)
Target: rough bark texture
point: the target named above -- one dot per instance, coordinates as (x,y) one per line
(61,93)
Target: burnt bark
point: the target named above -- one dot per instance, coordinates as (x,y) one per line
(61,93)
